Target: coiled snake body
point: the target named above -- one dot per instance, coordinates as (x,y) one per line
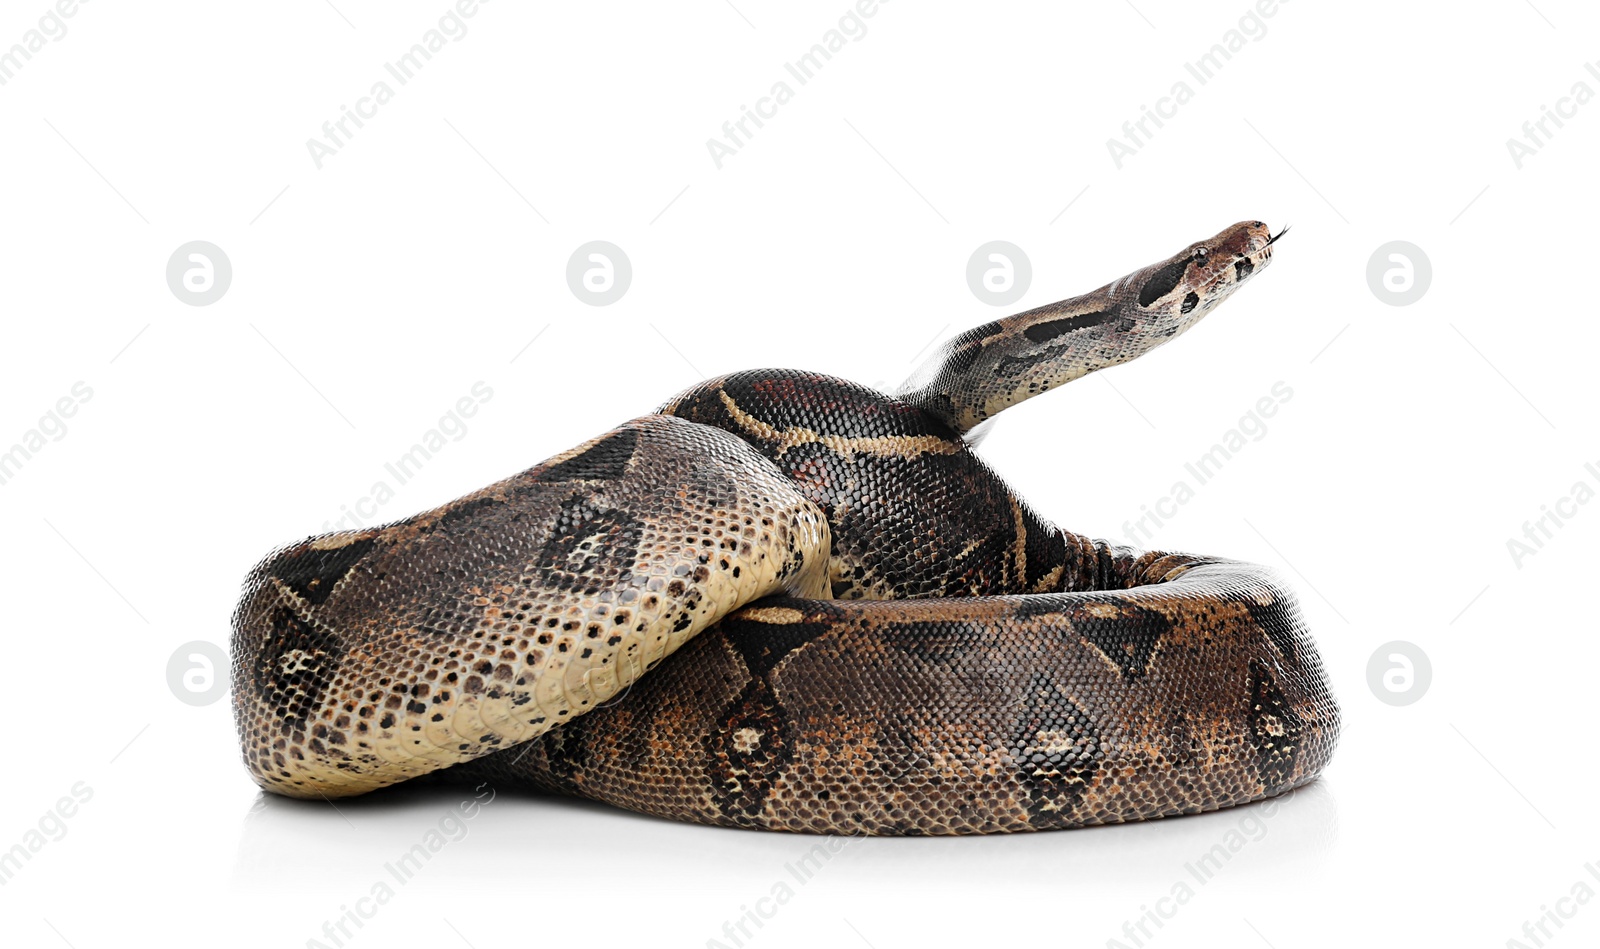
(877,635)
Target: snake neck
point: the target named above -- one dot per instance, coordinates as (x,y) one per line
(912,511)
(988,369)
(866,459)
(1093,565)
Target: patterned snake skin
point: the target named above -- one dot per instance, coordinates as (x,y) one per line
(877,635)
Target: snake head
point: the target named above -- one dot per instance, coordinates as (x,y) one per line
(984,370)
(1202,275)
(1157,303)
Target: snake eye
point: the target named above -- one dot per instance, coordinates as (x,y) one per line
(1200,252)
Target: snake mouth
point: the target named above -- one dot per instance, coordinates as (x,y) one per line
(1249,263)
(1209,270)
(1228,279)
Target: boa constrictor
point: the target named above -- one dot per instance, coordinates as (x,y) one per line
(877,635)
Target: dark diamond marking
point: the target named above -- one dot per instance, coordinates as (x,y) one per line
(1011,365)
(589,546)
(1057,750)
(1044,332)
(294,668)
(312,573)
(463,511)
(1123,632)
(747,751)
(763,645)
(942,642)
(566,750)
(606,460)
(1274,729)
(1163,281)
(1279,620)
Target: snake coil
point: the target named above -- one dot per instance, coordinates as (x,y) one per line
(790,602)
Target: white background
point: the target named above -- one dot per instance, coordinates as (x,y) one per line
(370,296)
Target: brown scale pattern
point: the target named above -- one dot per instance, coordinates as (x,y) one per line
(1144,685)
(963,716)
(365,658)
(981,372)
(976,670)
(914,513)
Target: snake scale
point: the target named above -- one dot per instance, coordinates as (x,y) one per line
(790,602)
